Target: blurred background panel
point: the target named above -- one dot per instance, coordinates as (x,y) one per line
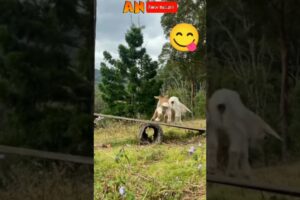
(253,49)
(46,89)
(47,74)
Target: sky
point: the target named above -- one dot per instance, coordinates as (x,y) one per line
(112,24)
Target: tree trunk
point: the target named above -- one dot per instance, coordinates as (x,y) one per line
(192,94)
(284,99)
(284,84)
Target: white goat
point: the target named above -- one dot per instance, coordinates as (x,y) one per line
(227,113)
(178,107)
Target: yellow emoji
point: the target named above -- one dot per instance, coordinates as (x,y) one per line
(184,37)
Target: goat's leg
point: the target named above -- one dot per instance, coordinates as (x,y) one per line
(180,121)
(233,162)
(212,142)
(154,116)
(159,114)
(178,117)
(169,115)
(245,166)
(237,138)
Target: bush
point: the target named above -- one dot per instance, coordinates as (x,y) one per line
(200,106)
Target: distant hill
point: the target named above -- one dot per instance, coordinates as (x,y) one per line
(97,76)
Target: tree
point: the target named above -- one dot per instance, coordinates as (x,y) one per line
(46,74)
(190,65)
(129,83)
(254,49)
(112,87)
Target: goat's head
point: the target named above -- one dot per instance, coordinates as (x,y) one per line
(162,100)
(173,101)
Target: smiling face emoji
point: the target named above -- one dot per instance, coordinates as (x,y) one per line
(184,37)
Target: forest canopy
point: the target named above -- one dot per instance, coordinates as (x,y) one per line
(46,75)
(136,78)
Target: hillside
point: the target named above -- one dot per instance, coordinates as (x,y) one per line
(97,76)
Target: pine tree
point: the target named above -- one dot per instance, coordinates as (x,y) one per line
(46,74)
(129,84)
(112,86)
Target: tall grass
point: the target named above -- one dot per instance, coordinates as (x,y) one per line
(35,179)
(166,171)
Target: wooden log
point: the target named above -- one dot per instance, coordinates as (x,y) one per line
(47,155)
(200,130)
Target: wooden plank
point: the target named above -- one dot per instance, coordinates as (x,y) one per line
(201,130)
(46,154)
(253,186)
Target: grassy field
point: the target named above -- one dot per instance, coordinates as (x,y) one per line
(285,175)
(28,178)
(165,171)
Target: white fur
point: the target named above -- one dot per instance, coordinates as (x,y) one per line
(178,107)
(162,113)
(227,113)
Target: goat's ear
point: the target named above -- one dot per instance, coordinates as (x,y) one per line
(156,97)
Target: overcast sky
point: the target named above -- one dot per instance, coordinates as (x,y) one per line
(112,25)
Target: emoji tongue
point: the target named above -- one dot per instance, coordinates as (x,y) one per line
(192,47)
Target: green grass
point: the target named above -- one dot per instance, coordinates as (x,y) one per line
(282,175)
(234,193)
(165,171)
(286,176)
(27,178)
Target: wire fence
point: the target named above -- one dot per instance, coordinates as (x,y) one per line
(254,186)
(46,155)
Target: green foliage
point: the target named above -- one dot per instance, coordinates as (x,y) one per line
(245,54)
(99,104)
(174,84)
(200,107)
(46,74)
(129,83)
(112,89)
(183,73)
